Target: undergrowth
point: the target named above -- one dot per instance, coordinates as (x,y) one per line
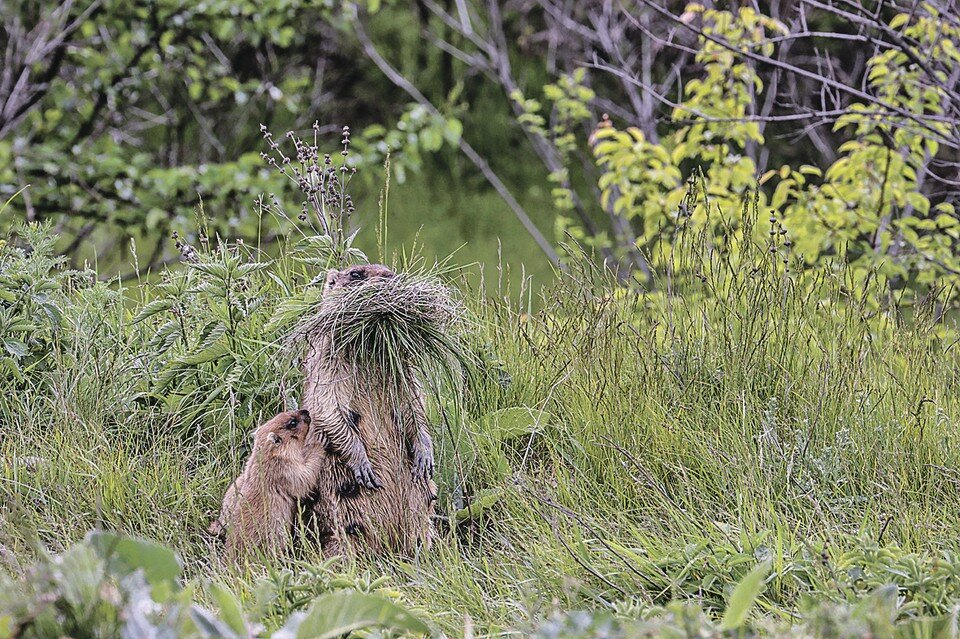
(629,454)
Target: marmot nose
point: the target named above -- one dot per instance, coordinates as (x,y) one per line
(305,416)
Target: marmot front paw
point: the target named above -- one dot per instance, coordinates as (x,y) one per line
(422,464)
(365,475)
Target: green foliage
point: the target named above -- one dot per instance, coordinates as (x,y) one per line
(417,133)
(743,598)
(867,208)
(31,288)
(149,110)
(620,452)
(205,327)
(569,97)
(342,613)
(872,617)
(870,200)
(112,586)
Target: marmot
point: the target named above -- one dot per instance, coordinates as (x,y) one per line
(374,491)
(259,508)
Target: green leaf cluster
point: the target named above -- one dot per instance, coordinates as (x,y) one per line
(115,586)
(869,207)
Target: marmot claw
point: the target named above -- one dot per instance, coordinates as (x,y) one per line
(423,466)
(366,477)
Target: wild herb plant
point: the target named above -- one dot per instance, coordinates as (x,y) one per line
(31,286)
(327,206)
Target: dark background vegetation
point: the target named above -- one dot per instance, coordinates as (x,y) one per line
(124,116)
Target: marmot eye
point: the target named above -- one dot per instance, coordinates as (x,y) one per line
(356,275)
(292,422)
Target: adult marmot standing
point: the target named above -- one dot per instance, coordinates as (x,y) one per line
(374,491)
(259,507)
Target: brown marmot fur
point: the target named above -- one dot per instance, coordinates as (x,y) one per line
(259,508)
(374,490)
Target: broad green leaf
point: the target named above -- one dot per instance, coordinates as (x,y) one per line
(452,130)
(151,309)
(209,353)
(744,596)
(342,612)
(15,347)
(79,575)
(219,271)
(209,625)
(899,20)
(252,267)
(230,610)
(942,627)
(431,138)
(126,554)
(484,501)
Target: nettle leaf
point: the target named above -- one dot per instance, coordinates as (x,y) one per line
(209,353)
(151,309)
(210,347)
(165,336)
(16,348)
(291,309)
(219,271)
(355,255)
(212,288)
(252,267)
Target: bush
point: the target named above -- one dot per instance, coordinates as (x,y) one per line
(113,586)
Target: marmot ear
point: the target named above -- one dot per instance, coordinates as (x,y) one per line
(332,277)
(274,438)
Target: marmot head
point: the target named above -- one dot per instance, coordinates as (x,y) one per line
(353,275)
(275,436)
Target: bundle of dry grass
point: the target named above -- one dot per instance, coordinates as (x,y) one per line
(388,326)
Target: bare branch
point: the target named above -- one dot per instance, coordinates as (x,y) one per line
(403,83)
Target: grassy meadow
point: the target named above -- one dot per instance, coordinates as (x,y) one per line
(632,455)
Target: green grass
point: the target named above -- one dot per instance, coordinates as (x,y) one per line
(669,444)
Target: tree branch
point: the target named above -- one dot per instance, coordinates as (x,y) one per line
(403,83)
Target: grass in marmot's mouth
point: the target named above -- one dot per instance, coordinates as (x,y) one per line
(387,326)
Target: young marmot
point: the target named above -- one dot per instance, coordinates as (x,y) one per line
(259,508)
(374,489)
